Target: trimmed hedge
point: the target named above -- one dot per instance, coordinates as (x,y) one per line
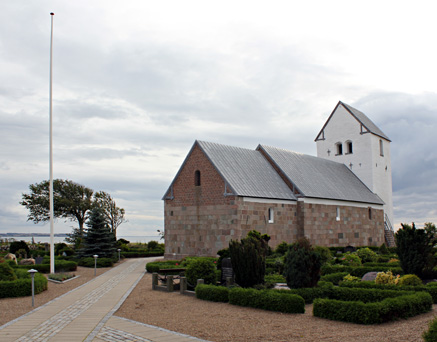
(430,335)
(155,266)
(60,266)
(432,290)
(389,309)
(358,271)
(142,253)
(334,278)
(23,286)
(101,262)
(212,293)
(271,300)
(382,264)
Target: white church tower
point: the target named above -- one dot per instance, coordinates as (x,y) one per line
(351,138)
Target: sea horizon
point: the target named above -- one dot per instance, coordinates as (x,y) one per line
(58,239)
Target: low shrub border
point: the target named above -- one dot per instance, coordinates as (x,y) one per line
(267,300)
(430,335)
(155,266)
(358,271)
(334,278)
(101,262)
(389,309)
(60,266)
(432,290)
(212,293)
(141,254)
(22,287)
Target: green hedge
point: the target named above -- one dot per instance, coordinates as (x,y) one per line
(23,286)
(430,335)
(358,271)
(389,309)
(334,278)
(271,300)
(382,264)
(60,266)
(155,266)
(101,262)
(432,290)
(212,293)
(142,253)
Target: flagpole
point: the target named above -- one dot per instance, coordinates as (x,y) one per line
(52,230)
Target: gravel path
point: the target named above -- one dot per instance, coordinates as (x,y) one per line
(221,322)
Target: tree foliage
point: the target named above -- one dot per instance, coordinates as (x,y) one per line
(70,200)
(98,238)
(415,248)
(302,265)
(248,258)
(114,214)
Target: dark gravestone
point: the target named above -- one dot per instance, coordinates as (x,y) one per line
(227,271)
(39,260)
(350,249)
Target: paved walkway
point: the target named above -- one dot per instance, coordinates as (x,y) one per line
(86,314)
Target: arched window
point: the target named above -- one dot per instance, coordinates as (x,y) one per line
(339,148)
(197,178)
(349,149)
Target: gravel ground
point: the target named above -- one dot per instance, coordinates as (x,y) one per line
(11,308)
(221,322)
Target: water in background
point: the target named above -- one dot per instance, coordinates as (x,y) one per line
(57,239)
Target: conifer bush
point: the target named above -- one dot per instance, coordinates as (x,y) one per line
(302,265)
(248,258)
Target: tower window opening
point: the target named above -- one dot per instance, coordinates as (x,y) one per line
(271,215)
(337,218)
(197,178)
(349,149)
(381,148)
(370,213)
(339,147)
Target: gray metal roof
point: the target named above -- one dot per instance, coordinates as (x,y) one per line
(246,171)
(365,121)
(320,178)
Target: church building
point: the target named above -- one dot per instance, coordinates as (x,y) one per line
(341,197)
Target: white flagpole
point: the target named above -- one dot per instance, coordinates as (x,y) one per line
(52,230)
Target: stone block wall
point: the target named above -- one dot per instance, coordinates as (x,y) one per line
(353,228)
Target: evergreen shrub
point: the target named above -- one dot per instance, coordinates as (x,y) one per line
(430,335)
(410,280)
(212,293)
(7,272)
(302,265)
(272,300)
(101,262)
(366,254)
(201,269)
(358,271)
(23,286)
(60,266)
(248,258)
(15,246)
(360,312)
(334,278)
(155,266)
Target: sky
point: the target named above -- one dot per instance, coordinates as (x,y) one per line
(135,83)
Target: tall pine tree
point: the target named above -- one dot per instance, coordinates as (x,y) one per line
(98,237)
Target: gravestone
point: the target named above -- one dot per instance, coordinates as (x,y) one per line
(350,249)
(369,276)
(39,260)
(227,271)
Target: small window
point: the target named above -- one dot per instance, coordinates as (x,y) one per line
(339,147)
(349,147)
(357,235)
(271,215)
(381,148)
(370,213)
(171,213)
(197,178)
(340,235)
(338,214)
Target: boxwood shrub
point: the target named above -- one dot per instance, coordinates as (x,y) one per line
(212,293)
(60,266)
(155,266)
(430,335)
(101,262)
(22,286)
(271,300)
(334,278)
(143,253)
(359,271)
(432,290)
(404,306)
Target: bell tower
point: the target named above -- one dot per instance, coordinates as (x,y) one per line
(351,138)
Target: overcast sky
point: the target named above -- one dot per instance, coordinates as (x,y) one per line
(137,82)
